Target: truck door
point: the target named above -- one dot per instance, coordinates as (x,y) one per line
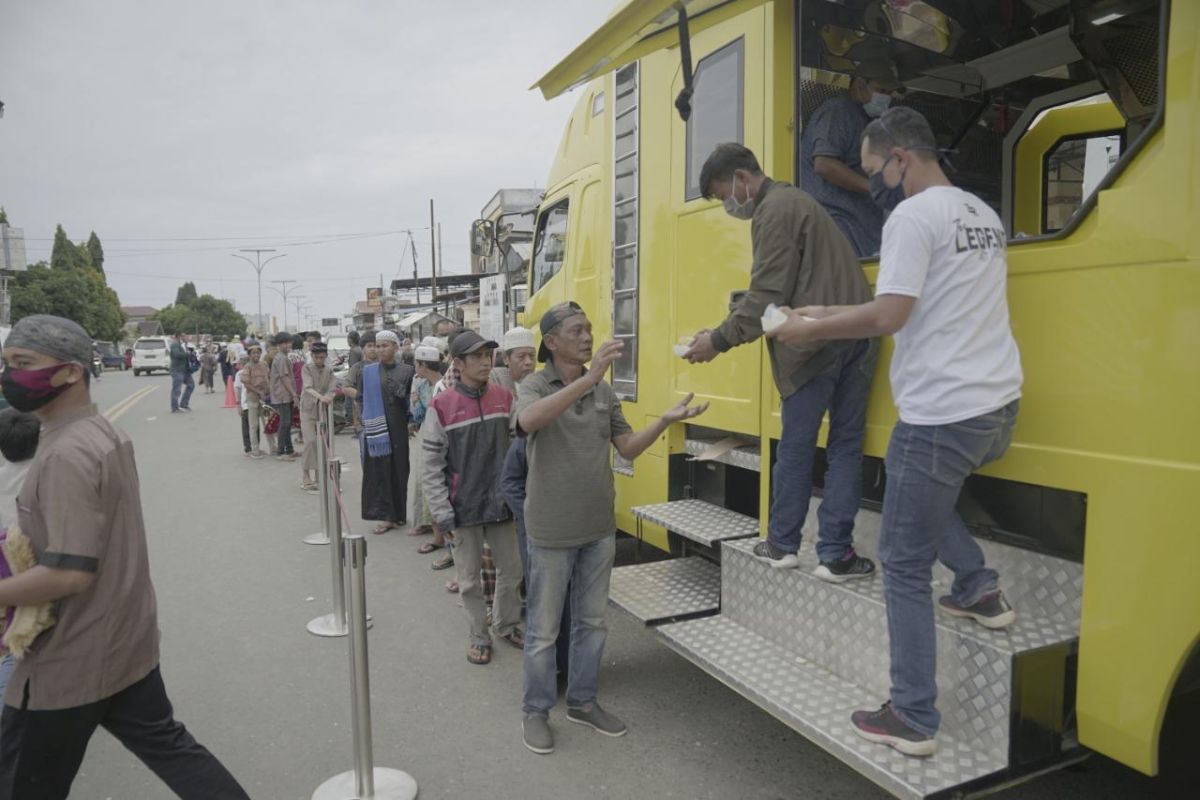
(711,252)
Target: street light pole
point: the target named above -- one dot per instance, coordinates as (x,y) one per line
(297,299)
(284,294)
(258,265)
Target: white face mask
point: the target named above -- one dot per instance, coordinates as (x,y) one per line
(739,210)
(878,104)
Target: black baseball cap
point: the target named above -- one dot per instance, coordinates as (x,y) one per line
(551,319)
(467,342)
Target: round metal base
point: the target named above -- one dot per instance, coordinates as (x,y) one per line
(390,784)
(316,538)
(330,626)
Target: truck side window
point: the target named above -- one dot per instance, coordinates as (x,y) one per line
(717,109)
(1073,170)
(550,246)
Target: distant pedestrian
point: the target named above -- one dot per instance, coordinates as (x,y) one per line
(465,437)
(256,383)
(208,366)
(99,664)
(384,387)
(181,376)
(283,394)
(427,362)
(319,389)
(367,342)
(571,526)
(239,393)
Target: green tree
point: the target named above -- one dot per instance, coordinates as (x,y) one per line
(204,314)
(96,253)
(3,216)
(70,287)
(65,254)
(186,294)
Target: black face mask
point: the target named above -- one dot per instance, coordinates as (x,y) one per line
(886,197)
(30,389)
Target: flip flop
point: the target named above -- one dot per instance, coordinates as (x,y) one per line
(383,527)
(479,654)
(443,563)
(429,547)
(420,530)
(452,587)
(516,638)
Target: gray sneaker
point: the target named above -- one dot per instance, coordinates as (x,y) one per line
(990,611)
(597,719)
(537,734)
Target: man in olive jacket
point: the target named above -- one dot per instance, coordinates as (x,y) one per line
(799,255)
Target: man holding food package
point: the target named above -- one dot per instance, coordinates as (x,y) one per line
(799,255)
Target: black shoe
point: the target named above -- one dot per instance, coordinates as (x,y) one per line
(990,611)
(884,727)
(848,568)
(770,554)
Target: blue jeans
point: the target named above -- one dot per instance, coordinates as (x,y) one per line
(926,467)
(184,380)
(587,571)
(842,389)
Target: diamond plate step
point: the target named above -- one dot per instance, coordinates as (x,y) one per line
(843,628)
(746,456)
(698,521)
(818,704)
(665,590)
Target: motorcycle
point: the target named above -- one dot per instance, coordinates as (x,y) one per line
(97,365)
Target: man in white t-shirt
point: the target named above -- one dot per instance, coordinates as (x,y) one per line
(956,380)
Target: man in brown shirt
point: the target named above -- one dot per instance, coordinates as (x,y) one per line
(799,255)
(283,394)
(98,665)
(256,380)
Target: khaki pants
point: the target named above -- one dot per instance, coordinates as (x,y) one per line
(468,560)
(312,442)
(253,410)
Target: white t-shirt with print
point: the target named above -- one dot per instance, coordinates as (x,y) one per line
(956,357)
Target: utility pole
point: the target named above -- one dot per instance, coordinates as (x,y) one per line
(412,244)
(258,265)
(284,294)
(433,251)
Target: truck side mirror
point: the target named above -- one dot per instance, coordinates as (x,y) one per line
(483,237)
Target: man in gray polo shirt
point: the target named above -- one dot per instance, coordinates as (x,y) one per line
(571,415)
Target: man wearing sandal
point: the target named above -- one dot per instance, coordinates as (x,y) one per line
(464,439)
(572,418)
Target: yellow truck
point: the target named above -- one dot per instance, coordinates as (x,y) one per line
(1077,121)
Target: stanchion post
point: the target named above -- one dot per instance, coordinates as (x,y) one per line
(322,536)
(367,781)
(334,624)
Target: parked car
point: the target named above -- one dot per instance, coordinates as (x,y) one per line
(151,353)
(110,356)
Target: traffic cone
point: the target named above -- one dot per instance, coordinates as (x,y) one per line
(230,397)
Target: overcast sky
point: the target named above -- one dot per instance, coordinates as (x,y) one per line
(279,121)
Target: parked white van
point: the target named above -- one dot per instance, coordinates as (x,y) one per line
(151,353)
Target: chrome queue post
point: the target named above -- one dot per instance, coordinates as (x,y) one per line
(365,781)
(335,624)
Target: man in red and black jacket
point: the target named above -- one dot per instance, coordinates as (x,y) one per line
(465,438)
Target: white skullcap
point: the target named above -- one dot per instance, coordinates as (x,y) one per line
(435,342)
(426,352)
(387,336)
(516,337)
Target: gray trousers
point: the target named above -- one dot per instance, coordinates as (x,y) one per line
(253,410)
(468,560)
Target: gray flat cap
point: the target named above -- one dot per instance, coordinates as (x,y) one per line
(52,336)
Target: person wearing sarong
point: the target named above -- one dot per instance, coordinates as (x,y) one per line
(384,388)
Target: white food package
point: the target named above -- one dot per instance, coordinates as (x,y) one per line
(772,318)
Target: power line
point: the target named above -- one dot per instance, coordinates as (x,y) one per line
(241,238)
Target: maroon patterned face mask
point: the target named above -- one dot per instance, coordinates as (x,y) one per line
(30,389)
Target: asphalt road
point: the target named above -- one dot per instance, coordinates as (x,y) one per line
(236,587)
